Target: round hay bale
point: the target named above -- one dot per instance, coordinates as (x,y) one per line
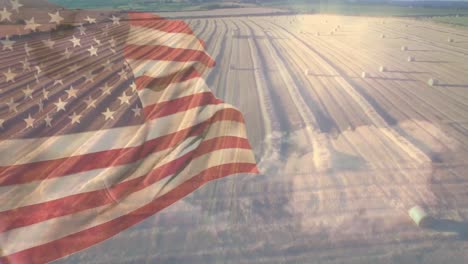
(307,72)
(382,36)
(432,82)
(450,40)
(364,74)
(419,216)
(382,69)
(317,34)
(404,48)
(410,59)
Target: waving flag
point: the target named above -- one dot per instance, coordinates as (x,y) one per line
(105,119)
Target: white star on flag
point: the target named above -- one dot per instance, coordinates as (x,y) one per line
(106,89)
(48,121)
(75,118)
(12,105)
(5,15)
(45,93)
(29,121)
(71,92)
(90,20)
(82,30)
(125,99)
(115,20)
(75,41)
(92,51)
(15,5)
(9,75)
(7,43)
(26,64)
(108,114)
(136,110)
(31,25)
(55,17)
(60,105)
(28,92)
(90,102)
(67,53)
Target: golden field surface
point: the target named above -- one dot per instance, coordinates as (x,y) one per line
(349,135)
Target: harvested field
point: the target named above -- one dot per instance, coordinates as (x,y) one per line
(343,157)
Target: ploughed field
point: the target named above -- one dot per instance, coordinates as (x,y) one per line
(349,134)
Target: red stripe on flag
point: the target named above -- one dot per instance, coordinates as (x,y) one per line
(81,240)
(143,16)
(36,213)
(144,81)
(166,53)
(18,174)
(180,105)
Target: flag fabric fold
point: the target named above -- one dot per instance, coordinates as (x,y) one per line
(105,119)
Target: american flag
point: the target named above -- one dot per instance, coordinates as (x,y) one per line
(105,119)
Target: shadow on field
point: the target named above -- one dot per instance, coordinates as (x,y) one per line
(322,75)
(455,85)
(422,50)
(433,61)
(447,225)
(256,37)
(392,79)
(413,72)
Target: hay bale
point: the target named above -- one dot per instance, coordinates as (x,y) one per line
(382,36)
(307,72)
(317,34)
(432,82)
(404,48)
(410,59)
(450,40)
(331,33)
(364,74)
(382,69)
(420,217)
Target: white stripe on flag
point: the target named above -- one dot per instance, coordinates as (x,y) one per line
(40,233)
(20,195)
(173,91)
(56,147)
(161,68)
(143,36)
